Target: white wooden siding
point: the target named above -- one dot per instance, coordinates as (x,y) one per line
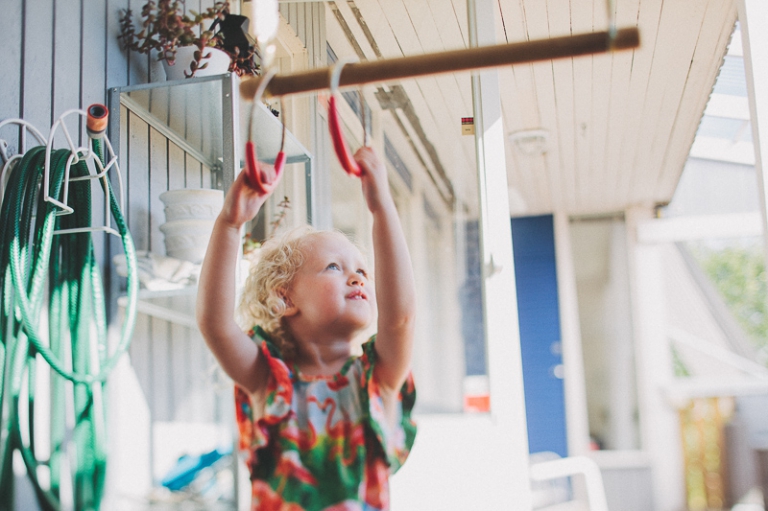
(64,54)
(171,361)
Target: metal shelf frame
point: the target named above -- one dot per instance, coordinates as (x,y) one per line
(225,154)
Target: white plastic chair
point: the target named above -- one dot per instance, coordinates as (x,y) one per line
(559,468)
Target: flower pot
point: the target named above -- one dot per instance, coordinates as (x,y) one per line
(187,239)
(218,62)
(192,203)
(189,217)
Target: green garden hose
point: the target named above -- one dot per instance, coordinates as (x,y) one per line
(31,255)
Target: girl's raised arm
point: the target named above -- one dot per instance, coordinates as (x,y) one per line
(395,288)
(237,354)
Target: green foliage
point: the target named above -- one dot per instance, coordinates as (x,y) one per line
(166,26)
(739,274)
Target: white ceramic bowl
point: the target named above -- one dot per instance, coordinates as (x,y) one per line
(192,203)
(187,239)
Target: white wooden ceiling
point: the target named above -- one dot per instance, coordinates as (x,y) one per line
(619,126)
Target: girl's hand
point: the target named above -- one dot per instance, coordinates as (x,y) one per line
(373,178)
(243,202)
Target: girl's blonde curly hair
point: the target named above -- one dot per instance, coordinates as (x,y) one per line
(263,301)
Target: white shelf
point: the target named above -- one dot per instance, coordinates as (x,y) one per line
(146,305)
(226,125)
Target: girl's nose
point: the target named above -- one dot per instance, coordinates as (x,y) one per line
(356,279)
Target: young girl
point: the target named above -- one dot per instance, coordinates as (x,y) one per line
(322,430)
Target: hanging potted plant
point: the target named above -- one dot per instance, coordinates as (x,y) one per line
(177,36)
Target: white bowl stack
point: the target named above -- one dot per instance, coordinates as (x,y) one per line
(189,217)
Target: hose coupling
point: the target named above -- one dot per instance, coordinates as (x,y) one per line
(98,115)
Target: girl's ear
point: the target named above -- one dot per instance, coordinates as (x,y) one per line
(290,308)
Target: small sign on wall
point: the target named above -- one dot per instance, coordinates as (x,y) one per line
(467,125)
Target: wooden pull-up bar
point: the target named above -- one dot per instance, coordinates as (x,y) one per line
(445,62)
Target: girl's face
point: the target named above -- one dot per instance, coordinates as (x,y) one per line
(332,291)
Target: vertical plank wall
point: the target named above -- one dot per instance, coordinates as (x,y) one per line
(171,361)
(64,54)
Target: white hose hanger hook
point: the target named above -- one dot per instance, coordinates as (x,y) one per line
(88,155)
(7,158)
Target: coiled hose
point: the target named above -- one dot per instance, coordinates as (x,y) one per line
(30,256)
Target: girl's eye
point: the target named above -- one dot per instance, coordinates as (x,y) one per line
(363,273)
(333,266)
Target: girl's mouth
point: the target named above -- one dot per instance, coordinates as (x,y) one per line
(357,295)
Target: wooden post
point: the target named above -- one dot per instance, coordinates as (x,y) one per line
(377,71)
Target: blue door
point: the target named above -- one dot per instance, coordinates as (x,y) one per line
(536,279)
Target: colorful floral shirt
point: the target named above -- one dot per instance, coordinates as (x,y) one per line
(322,443)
